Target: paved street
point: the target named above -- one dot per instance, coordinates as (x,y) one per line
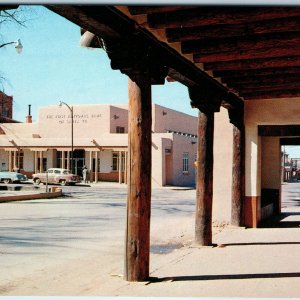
(73,245)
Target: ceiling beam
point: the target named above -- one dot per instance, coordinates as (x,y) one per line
(207,15)
(267,79)
(138,10)
(271,94)
(181,34)
(249,53)
(277,40)
(279,62)
(253,73)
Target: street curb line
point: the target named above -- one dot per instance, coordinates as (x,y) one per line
(55,192)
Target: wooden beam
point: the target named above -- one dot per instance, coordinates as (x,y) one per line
(264,80)
(254,73)
(204,193)
(247,64)
(249,53)
(139,181)
(279,130)
(245,88)
(271,94)
(138,10)
(274,40)
(205,15)
(181,34)
(290,141)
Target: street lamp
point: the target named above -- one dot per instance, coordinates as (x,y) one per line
(72,134)
(18,45)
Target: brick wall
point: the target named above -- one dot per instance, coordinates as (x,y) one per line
(6,105)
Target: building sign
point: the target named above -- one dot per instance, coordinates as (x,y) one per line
(77,118)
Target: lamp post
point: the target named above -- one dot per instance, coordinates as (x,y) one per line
(18,45)
(72,134)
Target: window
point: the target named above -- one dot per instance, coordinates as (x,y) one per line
(120,129)
(115,161)
(19,159)
(185,162)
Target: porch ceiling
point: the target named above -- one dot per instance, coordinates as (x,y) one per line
(247,53)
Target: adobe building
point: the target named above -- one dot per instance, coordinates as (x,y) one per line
(100,142)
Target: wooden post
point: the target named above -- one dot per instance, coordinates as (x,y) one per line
(237,177)
(203,227)
(236,117)
(137,248)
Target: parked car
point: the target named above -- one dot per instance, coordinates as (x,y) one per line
(55,176)
(10,177)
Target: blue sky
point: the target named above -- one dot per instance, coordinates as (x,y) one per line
(53,67)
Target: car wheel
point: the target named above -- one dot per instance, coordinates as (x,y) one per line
(63,182)
(7,181)
(37,181)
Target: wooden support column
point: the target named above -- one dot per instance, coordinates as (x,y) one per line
(203,227)
(139,181)
(238,157)
(208,100)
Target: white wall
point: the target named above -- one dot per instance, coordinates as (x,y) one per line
(222,171)
(4,160)
(271,163)
(105,161)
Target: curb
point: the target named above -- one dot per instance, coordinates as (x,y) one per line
(54,193)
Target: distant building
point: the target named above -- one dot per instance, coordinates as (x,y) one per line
(6,108)
(100,142)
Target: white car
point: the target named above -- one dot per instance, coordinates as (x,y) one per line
(55,176)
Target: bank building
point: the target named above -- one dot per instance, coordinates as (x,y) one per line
(100,141)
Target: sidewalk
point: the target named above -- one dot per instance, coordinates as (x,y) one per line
(249,263)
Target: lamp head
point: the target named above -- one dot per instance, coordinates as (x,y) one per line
(19,46)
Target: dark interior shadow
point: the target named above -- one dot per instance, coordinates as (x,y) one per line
(225,276)
(280,222)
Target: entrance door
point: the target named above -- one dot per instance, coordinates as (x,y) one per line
(78,165)
(169,166)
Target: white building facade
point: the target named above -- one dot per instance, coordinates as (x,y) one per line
(100,142)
